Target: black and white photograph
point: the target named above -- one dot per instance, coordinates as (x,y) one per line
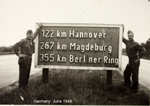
(74,52)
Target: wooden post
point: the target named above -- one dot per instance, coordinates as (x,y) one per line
(109,77)
(45,75)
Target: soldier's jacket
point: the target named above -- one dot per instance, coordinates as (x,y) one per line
(134,49)
(26,47)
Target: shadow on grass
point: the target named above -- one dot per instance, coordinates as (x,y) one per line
(76,87)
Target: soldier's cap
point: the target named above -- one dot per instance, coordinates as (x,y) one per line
(29,31)
(129,31)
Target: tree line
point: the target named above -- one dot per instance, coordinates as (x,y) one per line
(147,47)
(6,49)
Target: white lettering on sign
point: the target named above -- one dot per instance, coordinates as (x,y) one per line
(76,59)
(83,35)
(90,47)
(110,60)
(47,57)
(94,60)
(48,33)
(61,59)
(46,45)
(61,34)
(61,46)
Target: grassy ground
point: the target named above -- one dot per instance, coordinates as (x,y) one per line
(77,87)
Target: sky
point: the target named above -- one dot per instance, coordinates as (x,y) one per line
(17,16)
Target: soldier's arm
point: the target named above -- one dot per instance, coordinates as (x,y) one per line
(141,50)
(37,30)
(124,40)
(17,49)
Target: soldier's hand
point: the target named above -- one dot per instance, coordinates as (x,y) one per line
(21,55)
(137,60)
(39,25)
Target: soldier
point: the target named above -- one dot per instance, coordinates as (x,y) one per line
(24,50)
(134,53)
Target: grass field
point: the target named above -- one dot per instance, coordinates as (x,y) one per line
(77,87)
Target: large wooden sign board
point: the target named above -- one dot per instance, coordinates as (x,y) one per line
(79,46)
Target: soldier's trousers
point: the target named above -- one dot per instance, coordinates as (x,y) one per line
(24,71)
(132,69)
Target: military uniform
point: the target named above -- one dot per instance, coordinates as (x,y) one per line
(134,52)
(25,46)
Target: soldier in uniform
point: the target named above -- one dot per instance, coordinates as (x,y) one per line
(24,50)
(134,52)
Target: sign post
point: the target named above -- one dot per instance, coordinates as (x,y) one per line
(79,46)
(45,75)
(109,77)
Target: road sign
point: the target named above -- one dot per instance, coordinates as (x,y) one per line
(79,46)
